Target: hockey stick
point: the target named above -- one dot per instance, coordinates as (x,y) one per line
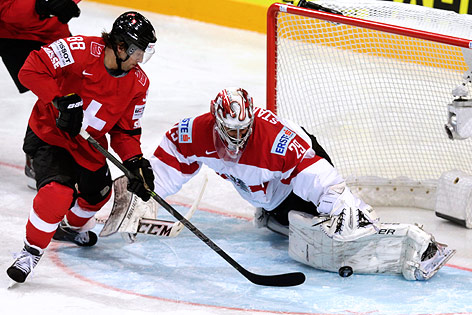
(281,280)
(169,228)
(313,6)
(178,226)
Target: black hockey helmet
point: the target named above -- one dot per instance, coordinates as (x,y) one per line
(135,31)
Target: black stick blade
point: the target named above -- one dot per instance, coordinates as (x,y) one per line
(283,280)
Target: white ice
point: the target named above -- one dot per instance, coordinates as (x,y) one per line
(193,61)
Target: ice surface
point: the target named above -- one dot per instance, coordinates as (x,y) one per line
(193,61)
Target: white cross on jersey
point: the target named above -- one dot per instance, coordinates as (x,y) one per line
(90,119)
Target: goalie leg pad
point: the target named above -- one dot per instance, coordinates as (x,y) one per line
(395,249)
(127,210)
(423,255)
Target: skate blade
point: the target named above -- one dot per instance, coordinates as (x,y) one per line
(449,256)
(31,183)
(12,284)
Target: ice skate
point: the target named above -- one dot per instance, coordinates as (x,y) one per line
(24,263)
(66,233)
(29,172)
(433,258)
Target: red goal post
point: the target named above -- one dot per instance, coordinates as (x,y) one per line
(375,94)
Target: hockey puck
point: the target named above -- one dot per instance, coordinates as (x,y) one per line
(345,271)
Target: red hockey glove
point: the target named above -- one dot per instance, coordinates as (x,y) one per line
(70,113)
(144,180)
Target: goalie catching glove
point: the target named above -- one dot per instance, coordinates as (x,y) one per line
(143,182)
(350,217)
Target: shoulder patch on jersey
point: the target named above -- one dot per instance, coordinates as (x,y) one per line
(142,78)
(282,140)
(62,51)
(185,130)
(96,49)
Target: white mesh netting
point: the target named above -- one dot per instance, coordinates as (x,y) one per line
(377,102)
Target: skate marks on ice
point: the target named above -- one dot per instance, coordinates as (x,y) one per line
(184,270)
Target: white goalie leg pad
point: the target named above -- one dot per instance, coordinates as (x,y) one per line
(138,211)
(130,215)
(395,249)
(127,210)
(417,242)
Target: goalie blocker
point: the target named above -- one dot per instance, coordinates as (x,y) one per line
(395,248)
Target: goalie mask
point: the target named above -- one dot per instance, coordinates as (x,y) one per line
(233,112)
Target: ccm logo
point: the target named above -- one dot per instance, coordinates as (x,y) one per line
(154,229)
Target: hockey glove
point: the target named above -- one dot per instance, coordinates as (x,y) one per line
(70,113)
(144,180)
(63,9)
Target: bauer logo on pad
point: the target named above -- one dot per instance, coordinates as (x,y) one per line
(282,140)
(185,130)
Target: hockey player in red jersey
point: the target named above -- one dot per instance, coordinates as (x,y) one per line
(282,170)
(94,83)
(28,25)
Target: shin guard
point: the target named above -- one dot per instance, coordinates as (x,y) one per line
(49,207)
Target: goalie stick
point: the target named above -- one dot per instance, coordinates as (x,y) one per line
(179,226)
(280,280)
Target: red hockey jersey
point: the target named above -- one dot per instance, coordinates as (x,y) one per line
(19,20)
(112,105)
(277,160)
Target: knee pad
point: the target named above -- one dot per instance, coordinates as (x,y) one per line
(81,215)
(53,201)
(96,200)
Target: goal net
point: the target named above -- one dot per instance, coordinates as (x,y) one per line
(373,86)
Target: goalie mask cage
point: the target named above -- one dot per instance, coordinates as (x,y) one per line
(373,86)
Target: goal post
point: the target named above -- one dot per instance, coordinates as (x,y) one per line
(373,86)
